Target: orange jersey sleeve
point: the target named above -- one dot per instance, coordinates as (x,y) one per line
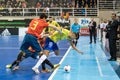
(36,27)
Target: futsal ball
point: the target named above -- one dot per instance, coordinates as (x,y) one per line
(67,68)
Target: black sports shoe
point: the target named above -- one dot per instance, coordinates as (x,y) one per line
(112,59)
(90,42)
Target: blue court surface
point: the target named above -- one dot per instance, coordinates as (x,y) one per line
(92,65)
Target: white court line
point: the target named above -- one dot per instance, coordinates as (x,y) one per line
(99,68)
(52,75)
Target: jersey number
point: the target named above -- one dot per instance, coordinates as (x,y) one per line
(35,23)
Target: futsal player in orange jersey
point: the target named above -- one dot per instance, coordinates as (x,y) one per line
(35,28)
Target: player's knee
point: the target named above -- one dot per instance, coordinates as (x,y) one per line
(22,53)
(57,53)
(40,54)
(46,52)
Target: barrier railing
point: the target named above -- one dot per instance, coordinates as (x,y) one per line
(49,11)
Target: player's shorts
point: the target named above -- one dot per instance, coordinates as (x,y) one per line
(30,40)
(50,45)
(77,35)
(33,55)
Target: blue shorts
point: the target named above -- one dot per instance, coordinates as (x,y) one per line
(30,40)
(50,45)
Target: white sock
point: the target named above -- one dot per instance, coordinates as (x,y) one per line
(42,58)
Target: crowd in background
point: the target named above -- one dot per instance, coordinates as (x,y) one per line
(26,8)
(47,3)
(86,3)
(13,4)
(59,3)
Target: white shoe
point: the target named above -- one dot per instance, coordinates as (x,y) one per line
(36,70)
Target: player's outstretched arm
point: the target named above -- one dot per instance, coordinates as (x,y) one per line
(74,47)
(54,27)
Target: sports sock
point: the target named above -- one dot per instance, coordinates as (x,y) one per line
(42,58)
(43,65)
(19,59)
(49,63)
(14,63)
(76,43)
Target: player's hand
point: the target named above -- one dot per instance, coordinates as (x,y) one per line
(81,52)
(45,35)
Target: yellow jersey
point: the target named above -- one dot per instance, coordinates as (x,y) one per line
(56,36)
(53,23)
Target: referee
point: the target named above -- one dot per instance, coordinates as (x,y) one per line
(75,28)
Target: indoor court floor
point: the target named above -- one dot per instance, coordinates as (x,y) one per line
(92,65)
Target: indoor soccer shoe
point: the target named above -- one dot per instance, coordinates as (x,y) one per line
(46,71)
(9,66)
(56,66)
(35,70)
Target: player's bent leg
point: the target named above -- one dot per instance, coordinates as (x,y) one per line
(43,65)
(44,69)
(17,61)
(53,67)
(40,61)
(19,58)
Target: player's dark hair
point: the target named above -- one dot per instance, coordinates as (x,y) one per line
(43,15)
(50,17)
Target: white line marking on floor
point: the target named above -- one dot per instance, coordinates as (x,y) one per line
(99,68)
(52,75)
